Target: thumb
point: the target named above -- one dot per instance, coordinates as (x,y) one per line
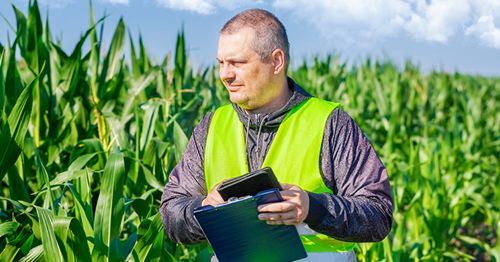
(286,186)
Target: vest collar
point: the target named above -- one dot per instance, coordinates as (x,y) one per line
(274,119)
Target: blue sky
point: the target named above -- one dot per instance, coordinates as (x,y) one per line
(454,35)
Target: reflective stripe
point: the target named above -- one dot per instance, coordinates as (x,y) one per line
(323,243)
(348,256)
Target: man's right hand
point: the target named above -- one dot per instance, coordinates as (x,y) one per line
(213,197)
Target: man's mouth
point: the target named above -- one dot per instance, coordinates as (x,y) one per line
(233,85)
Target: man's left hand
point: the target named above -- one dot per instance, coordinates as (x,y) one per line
(292,211)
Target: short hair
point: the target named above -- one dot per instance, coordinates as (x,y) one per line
(269,32)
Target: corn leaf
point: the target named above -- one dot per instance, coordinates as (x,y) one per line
(180,141)
(35,254)
(84,215)
(136,71)
(8,228)
(112,63)
(22,28)
(152,109)
(51,248)
(44,174)
(143,57)
(81,161)
(2,80)
(17,187)
(109,211)
(150,245)
(14,131)
(72,239)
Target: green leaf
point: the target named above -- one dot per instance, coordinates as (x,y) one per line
(49,241)
(136,71)
(17,187)
(14,131)
(22,27)
(35,52)
(180,141)
(72,238)
(9,253)
(109,211)
(66,176)
(94,54)
(14,203)
(21,245)
(148,124)
(112,63)
(130,244)
(2,80)
(34,255)
(44,174)
(8,228)
(84,215)
(140,206)
(143,56)
(81,161)
(144,80)
(150,245)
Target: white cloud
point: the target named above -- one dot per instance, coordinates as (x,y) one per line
(438,20)
(204,7)
(486,31)
(367,21)
(351,20)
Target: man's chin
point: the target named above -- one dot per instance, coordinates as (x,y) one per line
(241,101)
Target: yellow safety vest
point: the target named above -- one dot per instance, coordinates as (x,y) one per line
(293,156)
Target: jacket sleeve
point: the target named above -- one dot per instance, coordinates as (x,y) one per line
(186,189)
(360,210)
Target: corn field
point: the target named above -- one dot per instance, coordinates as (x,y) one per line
(88,140)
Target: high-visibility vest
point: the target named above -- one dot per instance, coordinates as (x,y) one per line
(293,156)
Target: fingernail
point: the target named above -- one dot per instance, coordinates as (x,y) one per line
(261,217)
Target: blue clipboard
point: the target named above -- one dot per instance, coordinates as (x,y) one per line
(236,234)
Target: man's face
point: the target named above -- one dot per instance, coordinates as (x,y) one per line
(250,81)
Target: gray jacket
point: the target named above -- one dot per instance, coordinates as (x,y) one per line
(359,211)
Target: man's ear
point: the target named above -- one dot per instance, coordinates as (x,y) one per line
(278,58)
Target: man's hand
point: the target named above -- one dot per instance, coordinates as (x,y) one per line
(213,198)
(292,211)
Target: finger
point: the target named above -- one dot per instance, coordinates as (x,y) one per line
(278,216)
(287,194)
(217,198)
(277,207)
(277,222)
(286,186)
(293,221)
(283,222)
(217,186)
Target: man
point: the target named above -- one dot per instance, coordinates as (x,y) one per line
(337,191)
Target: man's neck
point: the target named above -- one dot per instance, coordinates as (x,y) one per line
(274,104)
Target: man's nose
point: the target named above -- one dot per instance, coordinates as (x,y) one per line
(226,73)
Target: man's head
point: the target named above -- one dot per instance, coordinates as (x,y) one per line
(269,32)
(253,57)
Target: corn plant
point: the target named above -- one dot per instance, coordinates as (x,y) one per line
(88,142)
(438,137)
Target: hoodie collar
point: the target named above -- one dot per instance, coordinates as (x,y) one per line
(274,119)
